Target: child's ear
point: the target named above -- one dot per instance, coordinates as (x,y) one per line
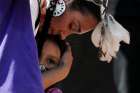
(68,1)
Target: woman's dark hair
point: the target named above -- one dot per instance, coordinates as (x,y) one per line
(86,7)
(42,35)
(55,39)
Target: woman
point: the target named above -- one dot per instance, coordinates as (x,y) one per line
(82,16)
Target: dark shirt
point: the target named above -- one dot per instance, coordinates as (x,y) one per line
(88,74)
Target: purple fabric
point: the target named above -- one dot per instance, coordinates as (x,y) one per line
(19,71)
(54,90)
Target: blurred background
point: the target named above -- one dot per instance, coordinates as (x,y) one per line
(127,12)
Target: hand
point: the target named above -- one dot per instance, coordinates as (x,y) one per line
(43,7)
(43,12)
(67,57)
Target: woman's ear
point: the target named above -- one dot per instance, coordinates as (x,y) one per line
(67,2)
(75,26)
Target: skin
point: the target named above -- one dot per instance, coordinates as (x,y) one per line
(56,72)
(68,23)
(72,22)
(50,51)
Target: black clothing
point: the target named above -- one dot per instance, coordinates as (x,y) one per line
(88,74)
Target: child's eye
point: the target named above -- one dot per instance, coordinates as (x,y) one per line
(51,62)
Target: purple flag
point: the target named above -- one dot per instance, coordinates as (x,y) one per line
(19,71)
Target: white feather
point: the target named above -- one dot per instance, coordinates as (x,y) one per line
(109,42)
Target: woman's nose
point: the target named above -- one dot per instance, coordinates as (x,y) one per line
(52,31)
(64,34)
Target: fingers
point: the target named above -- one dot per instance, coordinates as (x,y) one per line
(43,7)
(67,57)
(68,46)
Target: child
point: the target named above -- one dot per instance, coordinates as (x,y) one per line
(55,60)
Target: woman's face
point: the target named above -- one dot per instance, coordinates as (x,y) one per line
(50,56)
(72,22)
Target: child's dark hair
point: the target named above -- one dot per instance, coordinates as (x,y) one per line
(86,7)
(55,39)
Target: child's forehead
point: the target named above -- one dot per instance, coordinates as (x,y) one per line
(51,42)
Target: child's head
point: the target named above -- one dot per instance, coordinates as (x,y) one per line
(51,52)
